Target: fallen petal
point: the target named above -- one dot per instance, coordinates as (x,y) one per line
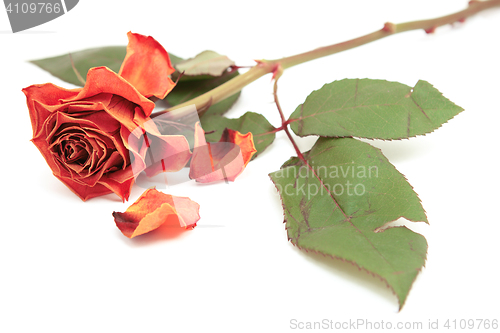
(225,159)
(154,208)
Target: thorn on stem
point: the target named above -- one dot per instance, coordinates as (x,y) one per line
(430,30)
(277,71)
(389,27)
(179,77)
(234,68)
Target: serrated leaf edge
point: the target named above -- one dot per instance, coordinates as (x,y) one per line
(292,120)
(401,304)
(375,275)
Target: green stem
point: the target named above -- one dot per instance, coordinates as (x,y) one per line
(225,90)
(263,67)
(284,124)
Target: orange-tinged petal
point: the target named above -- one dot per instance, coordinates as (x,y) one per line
(155,153)
(153,209)
(225,159)
(84,192)
(102,80)
(46,94)
(244,141)
(147,66)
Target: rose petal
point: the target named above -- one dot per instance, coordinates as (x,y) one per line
(147,66)
(136,148)
(79,131)
(244,141)
(166,153)
(119,182)
(102,80)
(48,94)
(82,191)
(225,159)
(154,208)
(154,152)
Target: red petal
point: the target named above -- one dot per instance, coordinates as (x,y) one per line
(82,191)
(121,187)
(225,159)
(102,80)
(121,103)
(244,141)
(167,153)
(154,208)
(47,94)
(147,66)
(154,152)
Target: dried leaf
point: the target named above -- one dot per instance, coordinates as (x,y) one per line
(154,208)
(205,63)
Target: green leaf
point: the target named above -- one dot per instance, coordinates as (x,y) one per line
(60,66)
(187,90)
(262,131)
(109,56)
(221,107)
(174,59)
(184,91)
(338,203)
(206,63)
(374,109)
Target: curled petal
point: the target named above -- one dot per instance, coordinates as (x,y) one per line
(119,182)
(244,141)
(44,94)
(167,153)
(225,159)
(147,66)
(153,152)
(130,110)
(82,191)
(78,131)
(154,208)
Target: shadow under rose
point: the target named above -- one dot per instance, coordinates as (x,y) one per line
(168,231)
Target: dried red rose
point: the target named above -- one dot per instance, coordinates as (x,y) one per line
(84,133)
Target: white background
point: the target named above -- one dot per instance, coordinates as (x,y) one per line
(65,267)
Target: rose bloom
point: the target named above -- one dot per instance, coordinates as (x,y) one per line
(88,136)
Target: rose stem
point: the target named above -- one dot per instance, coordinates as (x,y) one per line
(284,124)
(264,67)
